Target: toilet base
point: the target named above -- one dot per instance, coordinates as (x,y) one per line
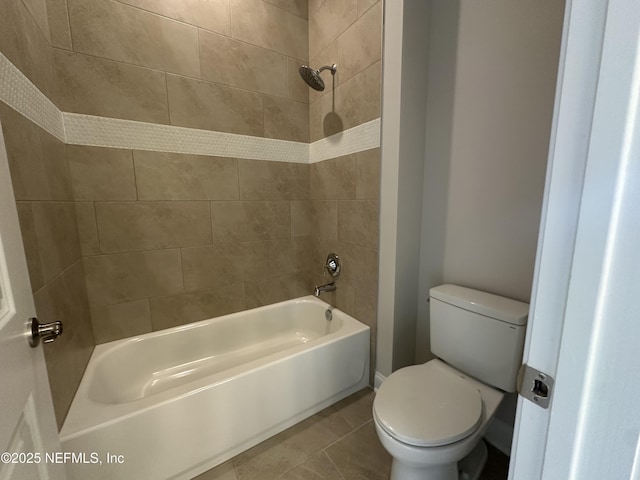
(402,471)
(469,468)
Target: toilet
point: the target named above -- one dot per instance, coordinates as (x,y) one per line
(431,417)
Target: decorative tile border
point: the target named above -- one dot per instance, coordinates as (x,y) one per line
(115,133)
(356,139)
(19,93)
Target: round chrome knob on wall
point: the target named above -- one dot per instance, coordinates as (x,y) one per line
(333,265)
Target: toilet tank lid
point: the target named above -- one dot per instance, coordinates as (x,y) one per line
(488,304)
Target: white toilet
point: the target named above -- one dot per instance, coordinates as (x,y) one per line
(431,417)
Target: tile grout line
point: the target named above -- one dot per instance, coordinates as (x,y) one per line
(326,454)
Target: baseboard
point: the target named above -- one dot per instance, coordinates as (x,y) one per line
(377,380)
(500,434)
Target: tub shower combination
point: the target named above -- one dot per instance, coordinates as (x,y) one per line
(175,403)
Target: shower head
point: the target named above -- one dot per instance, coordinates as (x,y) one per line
(312,77)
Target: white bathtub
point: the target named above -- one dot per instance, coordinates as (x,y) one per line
(175,403)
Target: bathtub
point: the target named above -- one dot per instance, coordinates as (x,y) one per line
(175,403)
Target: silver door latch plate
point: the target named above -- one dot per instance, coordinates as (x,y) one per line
(535,385)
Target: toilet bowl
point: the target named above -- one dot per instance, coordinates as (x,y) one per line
(429,417)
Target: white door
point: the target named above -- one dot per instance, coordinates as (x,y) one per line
(585,318)
(27,423)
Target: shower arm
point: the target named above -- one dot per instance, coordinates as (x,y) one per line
(333,68)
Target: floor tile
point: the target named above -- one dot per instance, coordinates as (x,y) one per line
(221,472)
(292,447)
(360,455)
(357,408)
(317,467)
(338,443)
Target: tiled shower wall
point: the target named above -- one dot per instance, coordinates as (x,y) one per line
(44,196)
(172,238)
(344,191)
(224,65)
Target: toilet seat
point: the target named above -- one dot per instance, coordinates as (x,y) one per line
(426,406)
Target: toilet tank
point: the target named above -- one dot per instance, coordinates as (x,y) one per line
(478,333)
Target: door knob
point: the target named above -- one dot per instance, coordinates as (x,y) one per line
(48,332)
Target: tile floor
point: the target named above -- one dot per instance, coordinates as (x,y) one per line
(338,443)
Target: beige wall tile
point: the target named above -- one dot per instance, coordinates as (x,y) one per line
(260,23)
(358,99)
(364,5)
(345,297)
(65,299)
(26,162)
(176,176)
(366,306)
(358,222)
(54,153)
(334,178)
(167,312)
(301,218)
(286,119)
(278,288)
(25,45)
(324,215)
(289,255)
(30,242)
(208,14)
(208,106)
(122,320)
(249,221)
(327,56)
(206,267)
(327,23)
(112,30)
(38,11)
(362,263)
(320,108)
(297,7)
(368,174)
(361,44)
(57,234)
(238,64)
(133,226)
(101,173)
(315,5)
(296,88)
(132,276)
(261,180)
(87,228)
(95,86)
(59,24)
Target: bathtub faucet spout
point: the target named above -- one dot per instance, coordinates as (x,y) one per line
(329,287)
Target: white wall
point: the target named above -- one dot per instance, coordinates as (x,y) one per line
(402,143)
(484,74)
(439,118)
(490,105)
